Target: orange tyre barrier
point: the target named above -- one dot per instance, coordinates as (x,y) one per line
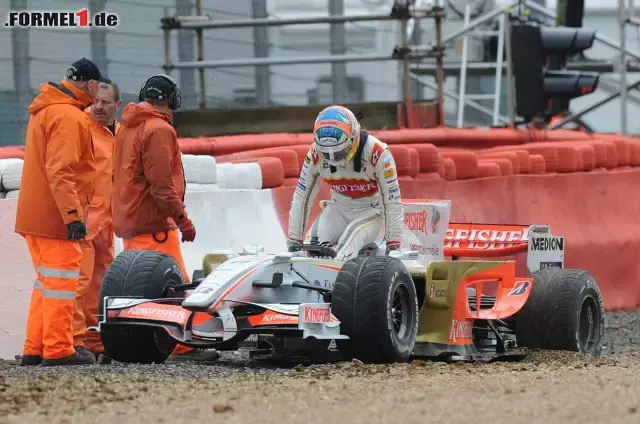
(429,157)
(466,163)
(301,150)
(448,170)
(402,158)
(635,153)
(12,152)
(513,157)
(289,159)
(612,154)
(505,166)
(288,182)
(538,164)
(488,168)
(428,176)
(415,163)
(600,153)
(624,151)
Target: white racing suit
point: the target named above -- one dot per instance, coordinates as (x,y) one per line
(365,204)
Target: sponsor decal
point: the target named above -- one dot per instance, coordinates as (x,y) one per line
(391,172)
(544,265)
(157,312)
(325,141)
(353,188)
(395,189)
(387,164)
(376,153)
(547,243)
(435,220)
(416,221)
(316,314)
(301,186)
(394,197)
(325,165)
(307,160)
(315,157)
(463,236)
(460,330)
(520,288)
(67,19)
(333,347)
(426,250)
(272,318)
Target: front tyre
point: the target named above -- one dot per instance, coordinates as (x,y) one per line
(564,311)
(150,275)
(375,300)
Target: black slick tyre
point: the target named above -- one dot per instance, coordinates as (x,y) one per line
(375,300)
(147,274)
(564,311)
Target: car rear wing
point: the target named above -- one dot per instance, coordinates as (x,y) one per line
(494,240)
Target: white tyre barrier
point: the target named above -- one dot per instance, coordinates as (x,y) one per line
(13,194)
(240,176)
(193,187)
(199,169)
(11,173)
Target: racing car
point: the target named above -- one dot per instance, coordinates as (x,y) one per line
(448,293)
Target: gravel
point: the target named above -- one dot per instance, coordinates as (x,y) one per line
(545,386)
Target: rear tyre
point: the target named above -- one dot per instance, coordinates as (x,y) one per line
(375,300)
(150,275)
(563,312)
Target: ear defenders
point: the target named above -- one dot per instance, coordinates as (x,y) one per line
(173,96)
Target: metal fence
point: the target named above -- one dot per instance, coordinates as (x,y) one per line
(134,50)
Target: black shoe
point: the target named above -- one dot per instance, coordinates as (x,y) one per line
(75,359)
(103,359)
(30,360)
(82,351)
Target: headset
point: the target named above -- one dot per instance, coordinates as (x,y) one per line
(174,96)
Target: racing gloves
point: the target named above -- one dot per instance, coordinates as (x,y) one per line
(76,230)
(391,246)
(186,227)
(294,245)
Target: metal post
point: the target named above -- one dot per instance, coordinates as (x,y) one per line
(261,49)
(203,23)
(337,45)
(500,55)
(200,41)
(622,16)
(462,89)
(98,38)
(167,45)
(511,103)
(186,51)
(440,70)
(406,73)
(300,60)
(21,70)
(594,106)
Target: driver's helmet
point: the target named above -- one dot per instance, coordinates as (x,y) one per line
(336,135)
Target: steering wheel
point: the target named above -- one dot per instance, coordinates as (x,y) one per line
(320,250)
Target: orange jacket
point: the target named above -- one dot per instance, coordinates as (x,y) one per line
(148,184)
(104,145)
(59,165)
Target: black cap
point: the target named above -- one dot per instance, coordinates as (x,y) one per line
(85,70)
(159,87)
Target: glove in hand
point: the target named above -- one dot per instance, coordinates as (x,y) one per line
(76,230)
(186,227)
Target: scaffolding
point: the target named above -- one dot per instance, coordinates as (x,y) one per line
(401,11)
(408,15)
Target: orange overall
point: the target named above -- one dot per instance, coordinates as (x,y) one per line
(98,246)
(59,171)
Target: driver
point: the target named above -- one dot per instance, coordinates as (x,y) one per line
(361,173)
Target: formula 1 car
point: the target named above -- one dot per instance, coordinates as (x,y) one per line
(422,301)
